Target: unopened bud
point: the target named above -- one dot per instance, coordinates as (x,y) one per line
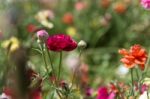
(42,35)
(82,44)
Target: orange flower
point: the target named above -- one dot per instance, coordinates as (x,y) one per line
(68,18)
(120,8)
(135,56)
(105,3)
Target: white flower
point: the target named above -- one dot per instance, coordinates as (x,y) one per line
(144,95)
(4,96)
(122,71)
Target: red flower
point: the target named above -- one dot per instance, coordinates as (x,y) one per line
(31,28)
(68,18)
(35,94)
(9,92)
(61,42)
(120,8)
(135,56)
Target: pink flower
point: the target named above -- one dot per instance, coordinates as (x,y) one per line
(42,35)
(60,42)
(102,93)
(146,4)
(80,6)
(144,88)
(89,92)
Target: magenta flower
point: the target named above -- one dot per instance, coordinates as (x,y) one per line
(42,35)
(60,42)
(146,4)
(102,93)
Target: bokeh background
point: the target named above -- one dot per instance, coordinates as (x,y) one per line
(105,25)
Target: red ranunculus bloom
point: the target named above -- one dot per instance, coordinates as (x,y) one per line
(135,56)
(60,42)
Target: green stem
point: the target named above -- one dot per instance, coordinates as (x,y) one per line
(132,82)
(53,71)
(146,65)
(137,74)
(52,67)
(59,68)
(147,95)
(43,55)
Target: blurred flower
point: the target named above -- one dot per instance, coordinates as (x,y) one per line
(145,95)
(31,28)
(147,81)
(146,4)
(72,61)
(102,93)
(9,93)
(112,95)
(35,81)
(108,16)
(35,94)
(144,88)
(104,22)
(120,8)
(82,44)
(89,92)
(84,70)
(44,16)
(79,6)
(61,42)
(42,35)
(68,18)
(122,70)
(47,24)
(4,96)
(105,3)
(12,44)
(71,31)
(135,56)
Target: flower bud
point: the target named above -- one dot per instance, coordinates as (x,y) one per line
(42,35)
(82,44)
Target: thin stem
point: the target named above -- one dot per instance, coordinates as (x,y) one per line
(132,82)
(52,67)
(43,55)
(147,95)
(59,68)
(146,65)
(137,74)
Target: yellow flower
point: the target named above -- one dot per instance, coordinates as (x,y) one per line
(147,81)
(13,42)
(71,31)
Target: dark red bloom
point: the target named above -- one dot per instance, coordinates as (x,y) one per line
(9,92)
(35,94)
(60,42)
